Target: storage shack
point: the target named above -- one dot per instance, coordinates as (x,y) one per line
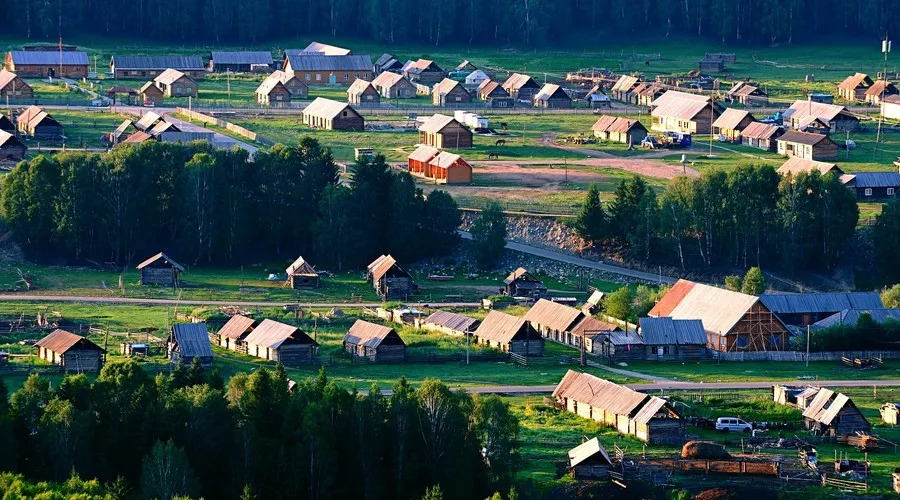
(445,132)
(332,115)
(282,343)
(189,341)
(449,323)
(673,339)
(509,333)
(301,275)
(377,343)
(389,279)
(521,283)
(70,352)
(589,460)
(160,270)
(834,414)
(233,332)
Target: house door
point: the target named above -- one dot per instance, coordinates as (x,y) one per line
(659,352)
(51,72)
(332,79)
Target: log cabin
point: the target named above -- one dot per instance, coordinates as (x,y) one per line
(683,112)
(70,352)
(508,333)
(377,343)
(160,269)
(450,93)
(619,129)
(11,148)
(422,71)
(521,283)
(362,92)
(589,460)
(873,186)
(389,279)
(521,87)
(554,321)
(234,331)
(38,124)
(301,275)
(673,339)
(552,96)
(332,115)
(761,136)
(394,86)
(174,83)
(807,145)
(731,123)
(834,414)
(444,132)
(281,343)
(13,87)
(187,342)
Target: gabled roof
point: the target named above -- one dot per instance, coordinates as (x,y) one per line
(881,87)
(617,124)
(651,408)
(517,81)
(183,63)
(436,123)
(668,331)
(465,65)
(451,320)
(360,86)
(849,317)
(795,303)
(445,160)
(424,153)
(387,79)
(385,60)
(600,394)
(273,334)
(243,57)
(625,337)
(49,58)
(138,137)
(827,405)
(551,91)
(6,77)
(326,108)
(759,130)
(625,83)
(520,274)
(149,85)
(370,334)
(800,137)
(590,326)
(677,95)
(731,118)
(671,299)
(421,65)
(309,62)
(855,81)
(192,339)
(272,82)
(170,76)
(382,265)
(807,110)
(160,257)
(477,75)
(7,139)
(872,179)
(446,86)
(591,449)
(500,327)
(236,327)
(122,128)
(320,48)
(29,114)
(60,341)
(300,267)
(161,127)
(795,165)
(553,315)
(595,298)
(679,105)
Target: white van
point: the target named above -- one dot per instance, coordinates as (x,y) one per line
(728,424)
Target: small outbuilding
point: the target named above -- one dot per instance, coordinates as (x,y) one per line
(70,352)
(711,65)
(174,83)
(418,160)
(890,413)
(879,91)
(552,96)
(233,332)
(449,168)
(11,148)
(449,323)
(149,93)
(190,341)
(12,87)
(521,283)
(377,343)
(521,87)
(160,270)
(241,62)
(394,86)
(508,333)
(445,132)
(38,124)
(301,275)
(332,115)
(362,92)
(272,92)
(731,123)
(748,95)
(589,460)
(619,129)
(834,414)
(389,279)
(282,343)
(673,339)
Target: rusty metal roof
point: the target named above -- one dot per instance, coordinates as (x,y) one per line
(60,341)
(587,450)
(731,118)
(759,130)
(236,327)
(451,320)
(795,165)
(671,299)
(590,326)
(138,137)
(553,315)
(517,81)
(273,334)
(854,81)
(370,334)
(503,328)
(383,265)
(625,83)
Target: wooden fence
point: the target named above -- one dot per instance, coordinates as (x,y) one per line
(231,127)
(844,484)
(800,357)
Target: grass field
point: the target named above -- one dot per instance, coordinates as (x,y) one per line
(747,371)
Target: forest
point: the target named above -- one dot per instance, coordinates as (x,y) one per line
(190,434)
(218,207)
(443,22)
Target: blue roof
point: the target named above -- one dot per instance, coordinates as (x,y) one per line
(800,303)
(849,317)
(49,58)
(193,339)
(667,331)
(875,179)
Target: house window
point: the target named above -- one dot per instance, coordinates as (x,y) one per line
(868,191)
(318,77)
(308,78)
(346,77)
(890,191)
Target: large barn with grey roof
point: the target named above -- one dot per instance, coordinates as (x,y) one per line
(139,67)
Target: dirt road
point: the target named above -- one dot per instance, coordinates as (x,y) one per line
(86,299)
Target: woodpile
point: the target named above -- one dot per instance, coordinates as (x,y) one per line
(863,442)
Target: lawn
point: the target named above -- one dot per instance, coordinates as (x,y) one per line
(748,371)
(80,128)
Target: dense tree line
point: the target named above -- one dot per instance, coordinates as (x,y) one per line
(865,334)
(749,216)
(453,21)
(206,206)
(189,434)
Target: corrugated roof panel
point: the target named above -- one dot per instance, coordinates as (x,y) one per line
(553,315)
(192,339)
(49,58)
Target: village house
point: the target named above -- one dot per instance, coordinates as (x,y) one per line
(423,71)
(494,95)
(673,339)
(645,93)
(11,148)
(648,418)
(621,345)
(870,186)
(834,414)
(683,112)
(138,137)
(73,353)
(394,86)
(150,93)
(47,63)
(130,67)
(552,96)
(272,92)
(232,334)
(554,321)
(38,124)
(878,91)
(332,115)
(174,83)
(476,78)
(418,160)
(160,270)
(444,132)
(890,107)
(319,49)
(761,136)
(282,343)
(389,279)
(711,65)
(449,323)
(731,123)
(596,98)
(377,343)
(807,146)
(622,89)
(448,168)
(819,117)
(387,62)
(734,321)
(450,93)
(325,69)
(849,317)
(362,92)
(521,283)
(521,87)
(301,275)
(589,460)
(465,65)
(187,342)
(509,333)
(853,88)
(747,95)
(619,129)
(795,165)
(241,62)
(13,87)
(593,332)
(298,89)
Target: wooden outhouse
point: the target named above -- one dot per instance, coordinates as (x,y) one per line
(890,413)
(160,270)
(448,168)
(389,279)
(174,83)
(189,341)
(834,414)
(282,343)
(508,333)
(301,275)
(807,145)
(11,148)
(731,123)
(450,93)
(377,343)
(332,115)
(362,92)
(232,334)
(445,132)
(71,352)
(589,460)
(13,87)
(521,283)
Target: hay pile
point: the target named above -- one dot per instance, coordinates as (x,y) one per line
(703,449)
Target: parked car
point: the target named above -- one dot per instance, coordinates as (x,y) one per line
(729,424)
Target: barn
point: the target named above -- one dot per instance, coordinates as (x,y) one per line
(11,148)
(70,352)
(619,129)
(554,321)
(301,275)
(332,115)
(794,166)
(673,339)
(683,112)
(389,279)
(272,92)
(870,186)
(508,333)
(820,117)
(38,124)
(450,93)
(878,91)
(448,168)
(233,332)
(444,132)
(13,87)
(130,67)
(160,270)
(521,87)
(521,283)
(761,136)
(449,323)
(241,62)
(807,145)
(853,88)
(174,83)
(190,341)
(589,460)
(48,63)
(731,123)
(394,86)
(282,343)
(362,92)
(422,71)
(711,65)
(552,96)
(491,90)
(377,343)
(149,92)
(834,414)
(327,69)
(418,160)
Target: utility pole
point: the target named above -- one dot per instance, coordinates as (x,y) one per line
(807,346)
(885,48)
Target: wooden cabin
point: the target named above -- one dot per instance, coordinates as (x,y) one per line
(444,132)
(465,65)
(448,168)
(521,283)
(241,62)
(596,98)
(234,331)
(387,62)
(332,115)
(853,88)
(38,124)
(13,87)
(878,91)
(807,146)
(554,321)
(11,148)
(362,92)
(747,95)
(281,343)
(449,323)
(377,343)
(423,71)
(873,186)
(619,129)
(623,88)
(711,65)
(683,112)
(890,413)
(673,339)
(389,279)
(552,96)
(160,270)
(589,460)
(418,160)
(321,69)
(814,116)
(394,86)
(521,87)
(795,397)
(48,63)
(301,275)
(621,345)
(174,83)
(494,94)
(70,352)
(731,123)
(125,67)
(592,332)
(450,93)
(509,333)
(761,136)
(149,92)
(834,414)
(795,166)
(7,125)
(187,342)
(273,92)
(319,48)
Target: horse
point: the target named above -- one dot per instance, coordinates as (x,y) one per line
(500,142)
(493,155)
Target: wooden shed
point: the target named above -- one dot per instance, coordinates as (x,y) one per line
(332,115)
(160,270)
(389,279)
(449,323)
(589,460)
(795,397)
(282,343)
(509,333)
(731,123)
(593,332)
(521,87)
(521,283)
(554,321)
(807,146)
(445,132)
(362,92)
(273,92)
(494,95)
(423,71)
(450,93)
(11,148)
(878,91)
(174,83)
(189,341)
(138,67)
(747,95)
(394,86)
(38,124)
(48,63)
(301,275)
(418,160)
(552,96)
(619,129)
(794,166)
(149,92)
(387,62)
(834,414)
(673,339)
(377,343)
(761,136)
(711,65)
(449,168)
(233,332)
(853,88)
(13,87)
(71,352)
(890,413)
(623,88)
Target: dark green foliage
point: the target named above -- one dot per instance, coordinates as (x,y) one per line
(489,235)
(591,221)
(754,282)
(864,335)
(734,282)
(620,304)
(166,473)
(886,239)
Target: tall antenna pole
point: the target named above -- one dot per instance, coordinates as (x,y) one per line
(885,48)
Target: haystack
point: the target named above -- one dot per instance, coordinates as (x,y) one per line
(703,449)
